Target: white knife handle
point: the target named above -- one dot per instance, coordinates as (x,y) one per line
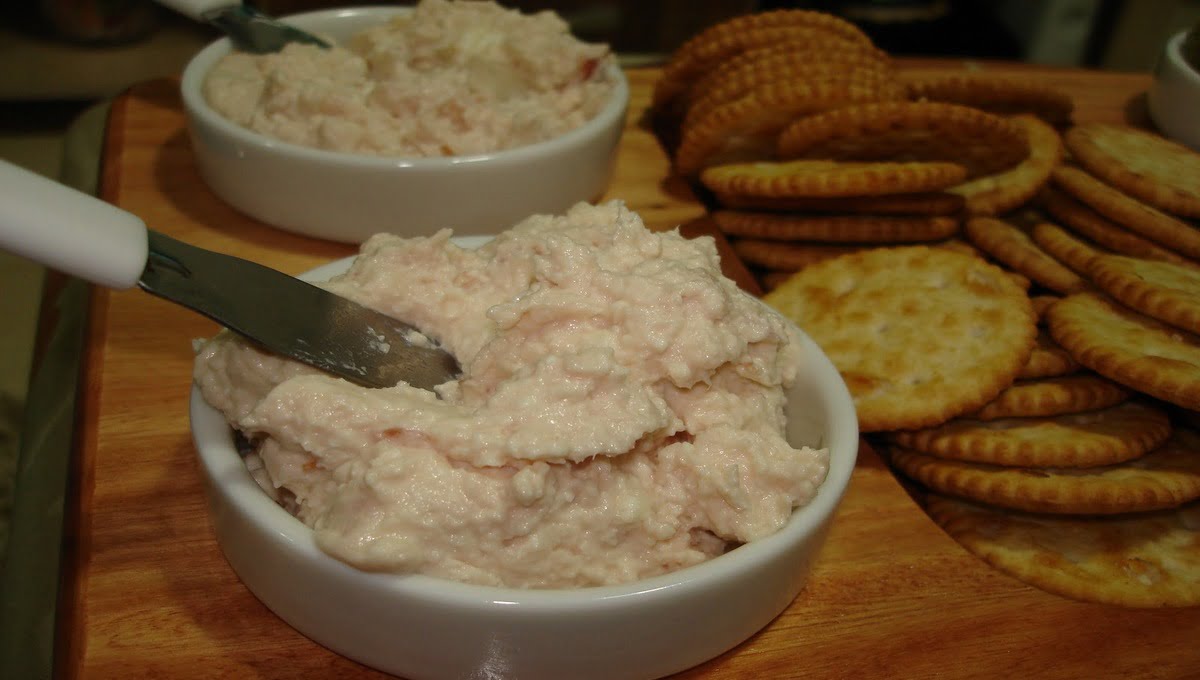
(69,230)
(197,9)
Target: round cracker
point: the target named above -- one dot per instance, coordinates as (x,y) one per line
(960,246)
(786,256)
(1129,212)
(1009,190)
(1064,247)
(982,142)
(924,203)
(829,179)
(996,94)
(1132,560)
(1167,477)
(1014,248)
(733,85)
(1052,396)
(1142,164)
(1047,360)
(1081,219)
(919,334)
(1104,437)
(746,129)
(728,38)
(1164,291)
(778,56)
(1021,280)
(1129,348)
(834,228)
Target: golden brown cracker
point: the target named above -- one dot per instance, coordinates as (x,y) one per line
(919,334)
(1015,249)
(1090,224)
(1074,253)
(1129,348)
(728,38)
(983,143)
(1167,477)
(1130,560)
(1021,280)
(834,228)
(1052,396)
(907,204)
(1047,360)
(782,56)
(1104,437)
(1005,191)
(997,95)
(1129,212)
(1144,165)
(828,179)
(746,129)
(958,245)
(786,256)
(1164,291)
(730,86)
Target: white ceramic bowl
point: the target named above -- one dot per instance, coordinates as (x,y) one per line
(421,627)
(1174,97)
(348,197)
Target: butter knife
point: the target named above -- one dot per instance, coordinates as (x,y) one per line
(86,237)
(249,29)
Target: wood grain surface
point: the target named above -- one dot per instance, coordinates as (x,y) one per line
(147,593)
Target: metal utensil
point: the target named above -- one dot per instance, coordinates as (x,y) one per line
(248,28)
(80,235)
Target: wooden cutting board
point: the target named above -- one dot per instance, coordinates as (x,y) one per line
(147,593)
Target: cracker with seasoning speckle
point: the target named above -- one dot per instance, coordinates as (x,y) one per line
(1133,560)
(919,334)
(1167,477)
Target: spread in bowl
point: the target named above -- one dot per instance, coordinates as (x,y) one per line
(449,78)
(620,414)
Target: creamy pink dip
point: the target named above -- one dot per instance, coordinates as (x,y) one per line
(620,414)
(449,78)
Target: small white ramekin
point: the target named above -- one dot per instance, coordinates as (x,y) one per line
(348,197)
(419,627)
(1174,97)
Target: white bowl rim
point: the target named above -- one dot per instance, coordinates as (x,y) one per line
(197,68)
(1174,52)
(217,455)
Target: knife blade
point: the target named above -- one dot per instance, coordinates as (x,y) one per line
(81,235)
(248,28)
(294,318)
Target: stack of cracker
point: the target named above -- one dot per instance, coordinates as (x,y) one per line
(808,144)
(1049,431)
(1019,330)
(727,92)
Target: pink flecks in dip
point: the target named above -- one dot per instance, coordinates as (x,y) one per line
(619,416)
(449,78)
